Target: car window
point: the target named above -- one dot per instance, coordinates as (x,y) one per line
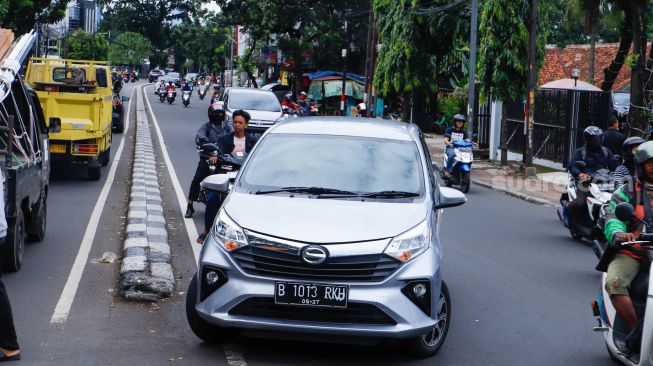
(254,102)
(356,164)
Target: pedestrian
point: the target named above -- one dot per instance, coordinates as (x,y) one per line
(612,138)
(9,349)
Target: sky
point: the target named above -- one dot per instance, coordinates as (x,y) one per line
(212,6)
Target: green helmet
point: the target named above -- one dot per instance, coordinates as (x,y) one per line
(644,152)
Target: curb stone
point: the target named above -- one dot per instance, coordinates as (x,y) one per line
(146,271)
(509,192)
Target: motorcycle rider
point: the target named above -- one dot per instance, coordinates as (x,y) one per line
(210,132)
(187,87)
(625,263)
(624,173)
(361,110)
(596,157)
(455,133)
(171,86)
(288,102)
(234,142)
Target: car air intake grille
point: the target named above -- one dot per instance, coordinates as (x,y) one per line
(277,264)
(355,313)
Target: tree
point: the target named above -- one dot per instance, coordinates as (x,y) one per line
(130,48)
(503,56)
(625,41)
(638,112)
(21,15)
(82,45)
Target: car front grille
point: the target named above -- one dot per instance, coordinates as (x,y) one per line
(355,313)
(278,264)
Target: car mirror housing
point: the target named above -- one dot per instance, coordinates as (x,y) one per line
(450,197)
(218,183)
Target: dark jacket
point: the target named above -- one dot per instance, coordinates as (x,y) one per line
(226,143)
(594,160)
(613,140)
(210,133)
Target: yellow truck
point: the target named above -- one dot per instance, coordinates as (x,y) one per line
(77,100)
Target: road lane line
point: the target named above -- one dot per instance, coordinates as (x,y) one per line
(65,302)
(191,229)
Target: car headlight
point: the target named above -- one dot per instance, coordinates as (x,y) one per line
(228,234)
(410,244)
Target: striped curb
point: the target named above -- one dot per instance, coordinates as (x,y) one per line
(146,271)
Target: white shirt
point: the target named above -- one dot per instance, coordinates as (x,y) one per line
(239,144)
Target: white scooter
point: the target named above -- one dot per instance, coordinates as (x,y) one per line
(600,191)
(185,97)
(610,324)
(462,166)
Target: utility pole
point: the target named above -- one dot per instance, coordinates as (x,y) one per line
(231,59)
(345,58)
(530,99)
(471,98)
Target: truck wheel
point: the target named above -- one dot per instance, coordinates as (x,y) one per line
(38,221)
(94,173)
(12,249)
(105,157)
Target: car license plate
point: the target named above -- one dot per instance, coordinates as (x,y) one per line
(58,149)
(309,294)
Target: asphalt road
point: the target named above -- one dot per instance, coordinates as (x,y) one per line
(520,286)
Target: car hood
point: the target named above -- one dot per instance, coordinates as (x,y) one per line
(264,115)
(322,220)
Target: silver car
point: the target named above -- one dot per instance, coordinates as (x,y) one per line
(331,227)
(263,107)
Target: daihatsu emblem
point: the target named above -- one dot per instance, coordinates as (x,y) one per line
(314,254)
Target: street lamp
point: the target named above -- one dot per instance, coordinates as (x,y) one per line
(575,73)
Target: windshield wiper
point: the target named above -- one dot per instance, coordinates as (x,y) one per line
(309,190)
(390,194)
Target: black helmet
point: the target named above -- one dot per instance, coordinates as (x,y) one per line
(216,112)
(593,137)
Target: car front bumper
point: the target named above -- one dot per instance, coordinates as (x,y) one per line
(408,320)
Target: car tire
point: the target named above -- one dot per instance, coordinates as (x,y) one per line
(38,220)
(94,172)
(14,246)
(203,330)
(429,344)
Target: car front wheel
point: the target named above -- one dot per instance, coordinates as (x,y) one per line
(430,343)
(202,329)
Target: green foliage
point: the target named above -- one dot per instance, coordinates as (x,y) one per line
(130,48)
(200,45)
(82,45)
(631,61)
(503,53)
(21,15)
(449,106)
(564,21)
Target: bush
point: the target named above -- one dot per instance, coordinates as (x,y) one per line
(449,107)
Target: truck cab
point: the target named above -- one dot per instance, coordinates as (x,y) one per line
(77,100)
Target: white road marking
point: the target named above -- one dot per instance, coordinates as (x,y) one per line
(65,302)
(191,229)
(234,357)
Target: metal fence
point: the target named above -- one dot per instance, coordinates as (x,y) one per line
(560,118)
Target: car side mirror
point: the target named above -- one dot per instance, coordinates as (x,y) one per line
(218,183)
(625,211)
(450,197)
(125,99)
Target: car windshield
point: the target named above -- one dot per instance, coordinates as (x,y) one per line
(254,102)
(621,99)
(327,164)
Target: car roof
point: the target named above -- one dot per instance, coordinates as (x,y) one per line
(348,126)
(248,91)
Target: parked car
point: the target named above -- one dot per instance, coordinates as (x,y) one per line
(332,228)
(621,105)
(279,90)
(118,115)
(191,76)
(263,106)
(153,75)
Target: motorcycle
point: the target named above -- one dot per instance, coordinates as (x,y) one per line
(610,323)
(171,96)
(461,170)
(185,97)
(226,164)
(126,78)
(600,189)
(201,91)
(162,95)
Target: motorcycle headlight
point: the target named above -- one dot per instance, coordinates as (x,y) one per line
(410,244)
(228,234)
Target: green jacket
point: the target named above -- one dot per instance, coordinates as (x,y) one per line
(612,224)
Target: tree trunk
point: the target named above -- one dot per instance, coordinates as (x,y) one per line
(504,135)
(637,114)
(592,55)
(419,102)
(405,107)
(612,71)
